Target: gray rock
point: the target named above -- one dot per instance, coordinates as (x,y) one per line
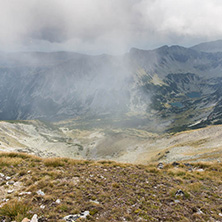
(188,165)
(84,214)
(25,193)
(10,182)
(160,166)
(40,192)
(58,201)
(179,193)
(10,191)
(200,170)
(34,218)
(25,220)
(199,211)
(71,218)
(94,201)
(175,164)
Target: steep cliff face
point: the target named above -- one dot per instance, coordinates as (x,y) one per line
(173,86)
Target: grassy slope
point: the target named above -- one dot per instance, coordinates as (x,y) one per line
(125,192)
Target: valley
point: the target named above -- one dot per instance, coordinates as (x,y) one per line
(143,106)
(128,145)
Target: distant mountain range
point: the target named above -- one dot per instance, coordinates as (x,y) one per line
(214,46)
(169,88)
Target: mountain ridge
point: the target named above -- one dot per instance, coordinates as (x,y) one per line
(59,85)
(213,46)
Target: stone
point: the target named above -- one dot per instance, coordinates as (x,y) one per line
(10,191)
(40,192)
(25,193)
(42,206)
(58,201)
(2,175)
(199,211)
(84,214)
(179,193)
(71,218)
(187,164)
(34,218)
(8,178)
(94,201)
(10,182)
(160,166)
(25,220)
(42,219)
(200,170)
(175,164)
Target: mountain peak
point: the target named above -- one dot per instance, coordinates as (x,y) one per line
(213,46)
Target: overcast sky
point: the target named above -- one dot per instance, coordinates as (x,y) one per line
(106,26)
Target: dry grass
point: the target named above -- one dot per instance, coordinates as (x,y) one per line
(111,191)
(15,210)
(54,162)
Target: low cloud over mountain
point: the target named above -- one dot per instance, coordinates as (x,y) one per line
(106,26)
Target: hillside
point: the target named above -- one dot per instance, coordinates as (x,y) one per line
(103,140)
(214,46)
(108,191)
(169,87)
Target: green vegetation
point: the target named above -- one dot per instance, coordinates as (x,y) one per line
(110,191)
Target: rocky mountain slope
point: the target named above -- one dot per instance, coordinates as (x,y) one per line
(214,46)
(61,189)
(127,145)
(173,88)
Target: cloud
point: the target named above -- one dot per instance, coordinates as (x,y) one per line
(106,26)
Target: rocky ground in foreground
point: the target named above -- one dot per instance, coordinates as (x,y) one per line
(107,191)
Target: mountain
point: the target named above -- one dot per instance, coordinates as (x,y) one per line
(166,89)
(214,46)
